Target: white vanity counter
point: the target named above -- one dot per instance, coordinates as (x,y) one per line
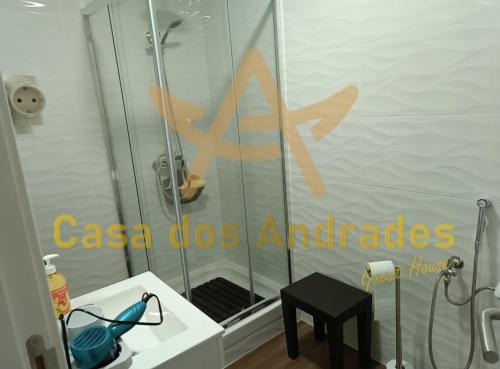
(186,339)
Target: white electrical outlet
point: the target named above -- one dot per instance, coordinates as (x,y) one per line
(25,98)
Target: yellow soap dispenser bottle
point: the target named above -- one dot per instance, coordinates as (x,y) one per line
(58,287)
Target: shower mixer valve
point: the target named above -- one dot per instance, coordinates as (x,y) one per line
(448,275)
(455,262)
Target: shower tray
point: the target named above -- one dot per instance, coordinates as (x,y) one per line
(221,299)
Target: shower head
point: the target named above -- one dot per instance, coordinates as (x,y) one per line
(174,24)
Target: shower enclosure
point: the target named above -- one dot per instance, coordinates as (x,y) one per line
(191,87)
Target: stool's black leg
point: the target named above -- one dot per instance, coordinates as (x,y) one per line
(290,319)
(336,343)
(319,329)
(365,337)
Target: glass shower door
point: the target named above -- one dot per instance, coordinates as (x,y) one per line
(198,70)
(124,68)
(135,54)
(182,86)
(213,54)
(255,55)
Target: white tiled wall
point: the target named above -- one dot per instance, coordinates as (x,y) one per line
(64,161)
(421,140)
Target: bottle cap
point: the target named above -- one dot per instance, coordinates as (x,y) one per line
(49,267)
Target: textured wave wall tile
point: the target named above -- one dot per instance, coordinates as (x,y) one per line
(321,25)
(446,155)
(424,146)
(42,31)
(326,24)
(336,156)
(314,77)
(57,165)
(443,71)
(383,207)
(84,268)
(494,162)
(342,199)
(73,178)
(87,270)
(64,161)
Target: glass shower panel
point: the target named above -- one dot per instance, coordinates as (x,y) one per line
(204,50)
(130,21)
(102,48)
(198,68)
(254,50)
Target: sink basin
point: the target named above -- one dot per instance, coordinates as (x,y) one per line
(184,327)
(172,325)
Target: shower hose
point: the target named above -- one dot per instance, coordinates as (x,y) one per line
(471,299)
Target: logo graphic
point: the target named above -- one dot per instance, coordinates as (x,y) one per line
(393,236)
(329,113)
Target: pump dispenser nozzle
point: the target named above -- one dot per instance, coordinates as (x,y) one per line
(49,267)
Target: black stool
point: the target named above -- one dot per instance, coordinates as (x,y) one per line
(332,302)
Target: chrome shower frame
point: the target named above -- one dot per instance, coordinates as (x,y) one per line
(161,78)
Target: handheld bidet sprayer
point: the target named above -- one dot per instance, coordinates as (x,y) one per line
(97,346)
(482,204)
(454,264)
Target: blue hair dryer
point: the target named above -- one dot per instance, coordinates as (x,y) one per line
(96,346)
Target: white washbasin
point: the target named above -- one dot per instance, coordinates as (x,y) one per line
(135,338)
(183,329)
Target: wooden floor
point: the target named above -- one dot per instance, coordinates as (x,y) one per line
(313,355)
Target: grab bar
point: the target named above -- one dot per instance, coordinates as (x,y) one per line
(490,351)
